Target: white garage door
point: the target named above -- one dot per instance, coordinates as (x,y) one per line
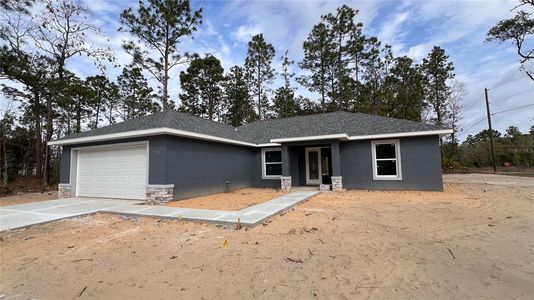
(113,172)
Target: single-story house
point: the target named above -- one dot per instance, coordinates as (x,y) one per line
(172,155)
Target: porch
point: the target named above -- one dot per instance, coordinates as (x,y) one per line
(310,164)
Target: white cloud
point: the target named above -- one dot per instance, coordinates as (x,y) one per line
(244,33)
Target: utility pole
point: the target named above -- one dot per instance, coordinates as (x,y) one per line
(493,160)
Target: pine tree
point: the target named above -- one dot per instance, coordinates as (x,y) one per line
(376,65)
(202,89)
(238,104)
(136,96)
(437,70)
(404,90)
(284,104)
(342,28)
(104,102)
(260,73)
(333,54)
(159,25)
(317,59)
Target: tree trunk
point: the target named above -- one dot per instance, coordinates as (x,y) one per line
(48,137)
(165,100)
(37,118)
(78,117)
(258,86)
(4,155)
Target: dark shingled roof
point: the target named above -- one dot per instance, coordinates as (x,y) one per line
(258,132)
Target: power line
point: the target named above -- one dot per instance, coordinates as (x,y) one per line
(498,112)
(475,124)
(514,95)
(507,110)
(507,82)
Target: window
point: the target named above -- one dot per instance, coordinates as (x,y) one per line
(386,160)
(272,163)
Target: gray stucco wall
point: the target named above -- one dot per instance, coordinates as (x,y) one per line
(195,167)
(420,161)
(258,171)
(198,167)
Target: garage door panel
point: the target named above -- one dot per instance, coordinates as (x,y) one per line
(113,172)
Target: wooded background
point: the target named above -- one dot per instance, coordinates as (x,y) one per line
(344,68)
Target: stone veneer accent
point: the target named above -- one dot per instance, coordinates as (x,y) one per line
(159,193)
(63,190)
(337,183)
(324,187)
(285,184)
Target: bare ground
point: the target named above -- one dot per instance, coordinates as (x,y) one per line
(21,198)
(235,200)
(475,240)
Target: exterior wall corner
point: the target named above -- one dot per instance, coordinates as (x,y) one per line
(285,183)
(64,190)
(337,183)
(157,194)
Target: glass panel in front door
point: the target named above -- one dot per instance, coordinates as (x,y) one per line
(313,160)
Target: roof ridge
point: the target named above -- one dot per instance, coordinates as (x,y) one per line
(293,117)
(176,112)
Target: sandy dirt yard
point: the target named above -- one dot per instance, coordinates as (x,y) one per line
(475,240)
(236,200)
(22,198)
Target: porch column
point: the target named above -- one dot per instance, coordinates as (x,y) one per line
(285,183)
(337,180)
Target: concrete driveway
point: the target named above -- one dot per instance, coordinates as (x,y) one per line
(22,215)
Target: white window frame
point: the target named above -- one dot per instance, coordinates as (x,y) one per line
(397,160)
(264,163)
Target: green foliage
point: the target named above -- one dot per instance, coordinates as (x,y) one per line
(159,25)
(451,166)
(317,57)
(353,72)
(260,73)
(284,103)
(104,100)
(237,100)
(437,70)
(514,147)
(136,96)
(202,88)
(517,30)
(404,90)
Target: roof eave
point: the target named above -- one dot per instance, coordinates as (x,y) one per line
(149,132)
(440,133)
(339,136)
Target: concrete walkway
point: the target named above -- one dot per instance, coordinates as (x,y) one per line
(23,215)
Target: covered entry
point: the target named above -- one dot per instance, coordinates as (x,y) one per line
(112,172)
(318,165)
(310,163)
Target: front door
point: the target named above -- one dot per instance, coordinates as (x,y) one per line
(313,166)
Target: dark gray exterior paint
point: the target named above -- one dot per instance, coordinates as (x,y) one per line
(258,172)
(197,167)
(420,161)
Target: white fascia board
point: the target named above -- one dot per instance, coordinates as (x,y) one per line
(339,136)
(400,134)
(268,145)
(149,132)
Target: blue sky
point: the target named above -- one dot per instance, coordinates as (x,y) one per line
(411,27)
